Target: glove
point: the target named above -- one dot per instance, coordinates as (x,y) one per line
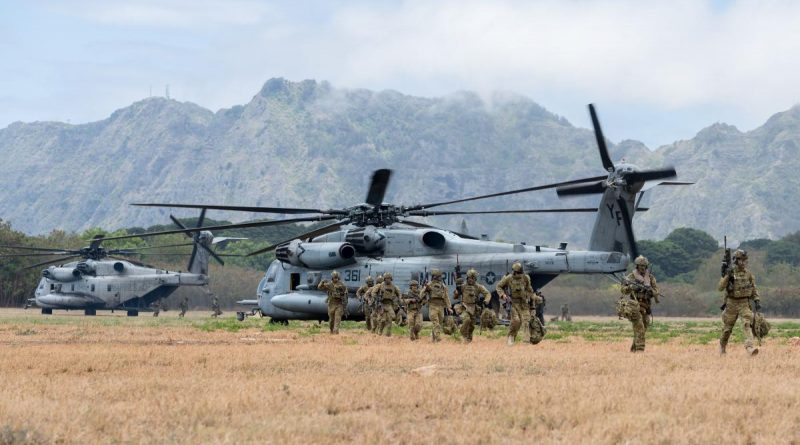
(758,305)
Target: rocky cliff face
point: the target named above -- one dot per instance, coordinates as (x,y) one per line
(307,144)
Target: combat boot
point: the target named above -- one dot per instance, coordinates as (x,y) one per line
(752,351)
(510,340)
(721,348)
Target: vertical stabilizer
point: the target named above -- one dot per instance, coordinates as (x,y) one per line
(613,230)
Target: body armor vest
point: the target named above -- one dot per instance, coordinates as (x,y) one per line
(470,293)
(388,294)
(742,286)
(413,299)
(517,287)
(437,290)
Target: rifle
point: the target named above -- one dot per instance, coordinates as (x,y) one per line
(540,308)
(726,268)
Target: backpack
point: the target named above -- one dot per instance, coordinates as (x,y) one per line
(626,308)
(537,329)
(760,326)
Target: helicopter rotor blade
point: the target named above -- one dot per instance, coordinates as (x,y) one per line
(628,223)
(229,226)
(378,185)
(201,219)
(44,263)
(314,233)
(164,246)
(62,252)
(501,212)
(601,141)
(510,192)
(253,209)
(96,240)
(420,225)
(583,189)
(39,249)
(651,175)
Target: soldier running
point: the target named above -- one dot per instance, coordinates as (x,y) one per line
(739,285)
(387,294)
(413,302)
(361,294)
(640,285)
(336,300)
(215,310)
(521,291)
(470,296)
(184,306)
(438,303)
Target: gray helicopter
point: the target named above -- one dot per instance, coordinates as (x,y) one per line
(369,239)
(100,279)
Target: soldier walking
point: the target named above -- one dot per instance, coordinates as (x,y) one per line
(375,302)
(413,302)
(156,307)
(216,312)
(521,291)
(470,295)
(184,306)
(336,300)
(565,312)
(739,285)
(640,286)
(361,294)
(438,299)
(387,294)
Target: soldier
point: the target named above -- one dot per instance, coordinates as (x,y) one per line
(413,302)
(375,303)
(387,294)
(470,296)
(739,285)
(215,307)
(361,294)
(184,306)
(521,291)
(438,299)
(400,314)
(156,307)
(336,300)
(565,312)
(640,286)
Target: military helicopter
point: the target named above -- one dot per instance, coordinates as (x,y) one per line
(100,279)
(368,239)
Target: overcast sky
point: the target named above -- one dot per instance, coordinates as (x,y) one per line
(658,71)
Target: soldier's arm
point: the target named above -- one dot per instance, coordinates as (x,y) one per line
(756,297)
(323,285)
(723,283)
(654,287)
(447,297)
(528,288)
(487,296)
(501,285)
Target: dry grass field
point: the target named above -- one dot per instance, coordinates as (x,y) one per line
(111,379)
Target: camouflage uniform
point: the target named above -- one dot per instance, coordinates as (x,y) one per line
(737,301)
(184,306)
(215,310)
(375,303)
(521,291)
(438,302)
(413,302)
(640,285)
(156,307)
(361,294)
(336,300)
(387,294)
(470,296)
(565,312)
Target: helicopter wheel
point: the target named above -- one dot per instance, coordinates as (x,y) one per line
(133,313)
(279,321)
(89,312)
(46,311)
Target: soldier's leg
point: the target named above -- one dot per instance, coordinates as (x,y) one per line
(417,323)
(729,316)
(388,318)
(639,330)
(331,316)
(747,325)
(467,325)
(368,317)
(436,314)
(513,327)
(338,314)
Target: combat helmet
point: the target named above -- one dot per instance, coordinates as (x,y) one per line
(370,281)
(379,280)
(413,283)
(517,267)
(334,275)
(739,255)
(641,260)
(387,276)
(436,273)
(472,273)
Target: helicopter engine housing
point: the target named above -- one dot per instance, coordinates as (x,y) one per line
(434,240)
(366,239)
(64,274)
(316,255)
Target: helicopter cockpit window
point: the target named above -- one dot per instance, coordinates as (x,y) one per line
(271,272)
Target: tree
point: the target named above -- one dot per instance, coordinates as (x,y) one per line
(697,243)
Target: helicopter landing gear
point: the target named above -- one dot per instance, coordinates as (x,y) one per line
(89,312)
(133,313)
(46,311)
(279,321)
